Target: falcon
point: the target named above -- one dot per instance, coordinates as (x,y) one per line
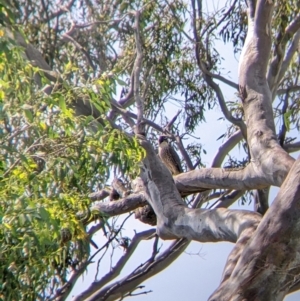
(169,156)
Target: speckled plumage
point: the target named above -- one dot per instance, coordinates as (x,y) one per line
(168,155)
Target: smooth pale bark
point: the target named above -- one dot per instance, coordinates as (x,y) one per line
(265,266)
(269,264)
(213,178)
(175,220)
(225,148)
(267,157)
(121,206)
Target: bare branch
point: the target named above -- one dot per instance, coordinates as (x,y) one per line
(64,291)
(168,127)
(236,121)
(283,130)
(137,71)
(225,148)
(289,55)
(80,48)
(121,206)
(214,178)
(293,26)
(228,199)
(99,195)
(127,284)
(128,114)
(292,147)
(58,13)
(290,89)
(261,198)
(116,270)
(184,153)
(223,80)
(95,228)
(279,63)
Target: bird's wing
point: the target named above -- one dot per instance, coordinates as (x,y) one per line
(176,158)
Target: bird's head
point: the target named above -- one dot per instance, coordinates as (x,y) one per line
(162,139)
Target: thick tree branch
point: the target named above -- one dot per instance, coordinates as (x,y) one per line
(257,99)
(271,255)
(213,178)
(121,206)
(99,195)
(175,220)
(225,148)
(250,264)
(292,147)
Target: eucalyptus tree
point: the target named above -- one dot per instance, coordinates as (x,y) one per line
(85,90)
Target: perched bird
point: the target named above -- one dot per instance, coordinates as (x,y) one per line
(168,155)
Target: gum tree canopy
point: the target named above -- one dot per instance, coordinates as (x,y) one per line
(86,88)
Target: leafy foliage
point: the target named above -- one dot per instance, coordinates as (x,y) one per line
(50,160)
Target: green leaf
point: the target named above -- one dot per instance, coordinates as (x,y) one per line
(29,115)
(286,118)
(62,104)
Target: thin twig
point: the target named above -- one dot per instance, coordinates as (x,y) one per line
(171,122)
(115,271)
(184,153)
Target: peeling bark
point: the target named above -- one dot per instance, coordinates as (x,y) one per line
(268,266)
